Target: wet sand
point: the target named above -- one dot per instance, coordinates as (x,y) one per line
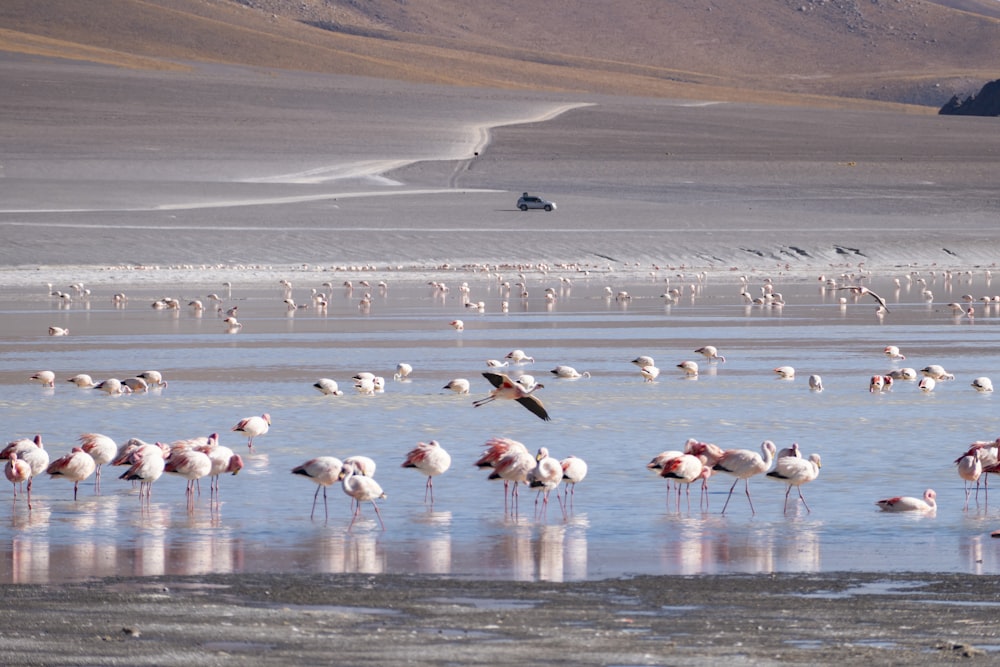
(842,619)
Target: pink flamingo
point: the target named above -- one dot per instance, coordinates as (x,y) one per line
(505,388)
(910,504)
(102,449)
(744,464)
(431,459)
(970,469)
(31,451)
(190,464)
(514,467)
(546,477)
(574,471)
(253,427)
(685,469)
(17,471)
(76,466)
(147,467)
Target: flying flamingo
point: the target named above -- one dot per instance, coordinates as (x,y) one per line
(75,466)
(744,464)
(361,489)
(796,471)
(102,449)
(431,459)
(17,471)
(861,290)
(253,427)
(910,504)
(505,388)
(324,471)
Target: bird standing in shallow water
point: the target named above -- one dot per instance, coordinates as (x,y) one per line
(361,489)
(744,464)
(431,459)
(324,471)
(253,427)
(796,471)
(75,466)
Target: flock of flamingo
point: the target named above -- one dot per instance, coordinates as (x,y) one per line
(508,460)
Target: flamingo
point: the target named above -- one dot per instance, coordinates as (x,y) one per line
(58,331)
(546,477)
(505,388)
(796,471)
(45,378)
(75,466)
(233,325)
(223,460)
(983,385)
(362,465)
(514,466)
(17,472)
(431,459)
(879,383)
(569,373)
(113,387)
(192,465)
(861,290)
(83,381)
(253,427)
(324,471)
(31,451)
(403,371)
(892,351)
(816,383)
(328,387)
(903,374)
(643,361)
(496,363)
(936,372)
(574,471)
(970,469)
(684,469)
(690,368)
(147,467)
(102,449)
(457,325)
(649,373)
(136,385)
(785,372)
(361,489)
(153,378)
(458,385)
(910,504)
(744,464)
(927,384)
(519,357)
(711,353)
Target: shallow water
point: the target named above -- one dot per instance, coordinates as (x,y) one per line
(620,522)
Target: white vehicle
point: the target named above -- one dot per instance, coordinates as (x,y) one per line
(527,201)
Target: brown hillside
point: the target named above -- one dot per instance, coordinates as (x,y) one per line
(909,51)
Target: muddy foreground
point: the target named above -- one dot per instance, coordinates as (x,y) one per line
(260,619)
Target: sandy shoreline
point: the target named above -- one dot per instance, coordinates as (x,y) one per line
(843,619)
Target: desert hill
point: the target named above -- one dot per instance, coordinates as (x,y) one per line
(900,51)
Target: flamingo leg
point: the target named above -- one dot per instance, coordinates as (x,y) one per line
(315,496)
(803,499)
(730,495)
(746,487)
(378,514)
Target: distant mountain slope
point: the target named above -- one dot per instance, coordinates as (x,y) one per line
(909,51)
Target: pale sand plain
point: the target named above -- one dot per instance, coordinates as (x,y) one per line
(246,173)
